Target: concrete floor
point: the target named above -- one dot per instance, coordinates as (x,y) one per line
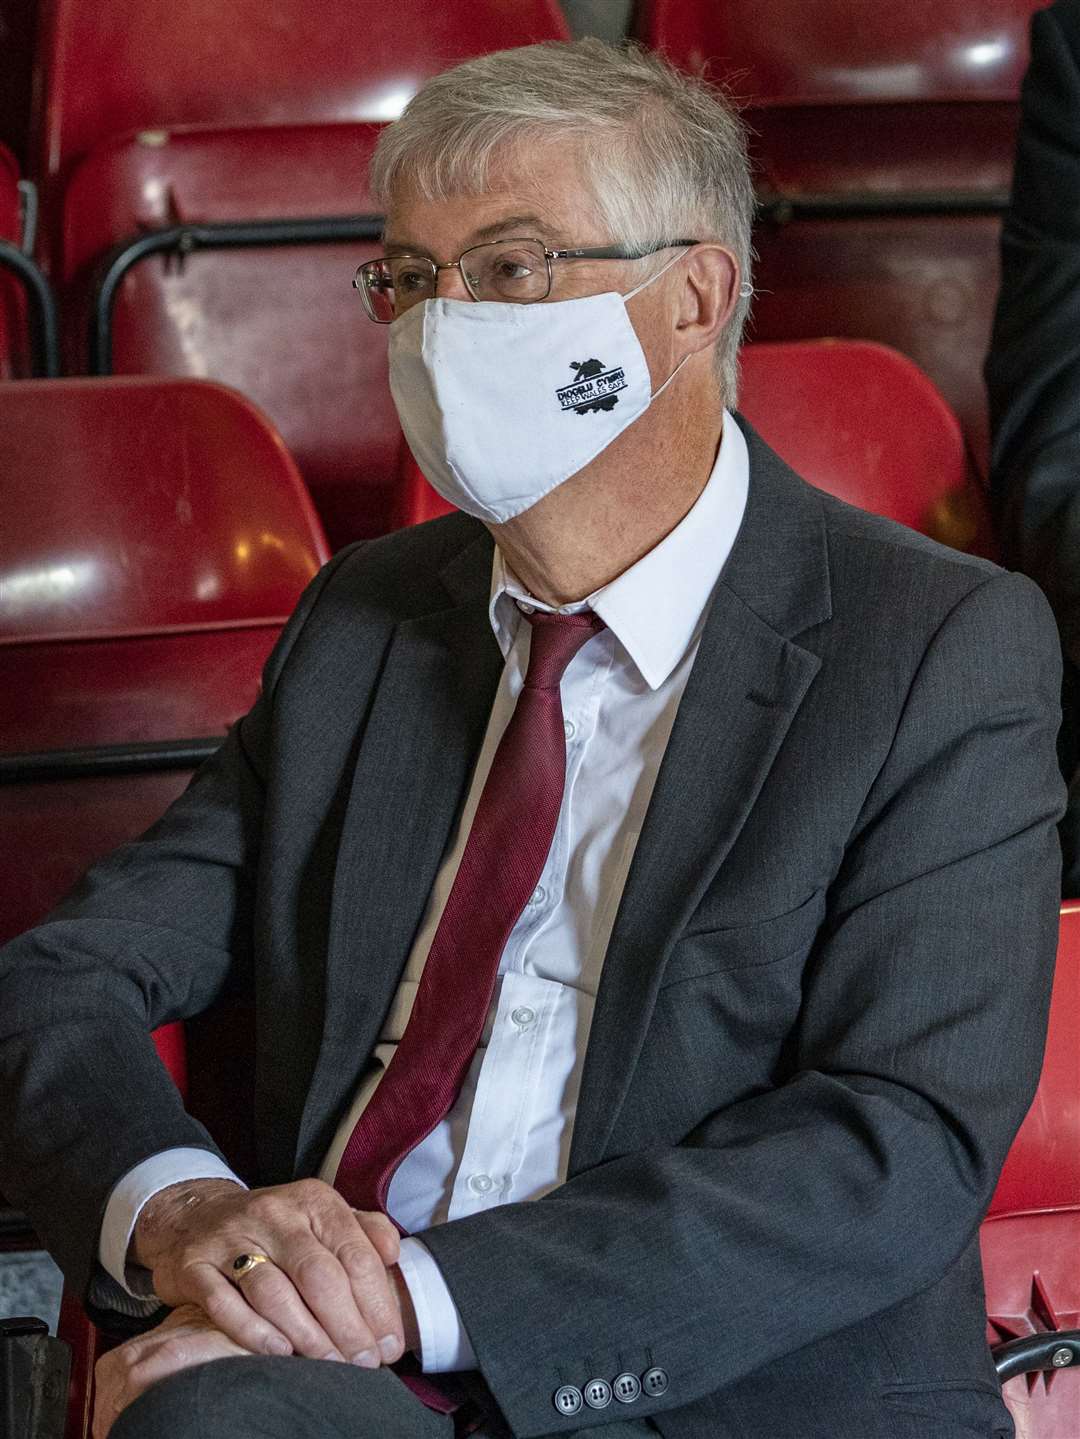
(30,1284)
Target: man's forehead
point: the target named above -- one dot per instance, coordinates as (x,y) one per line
(550,202)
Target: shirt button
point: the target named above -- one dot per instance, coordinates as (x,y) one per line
(481,1183)
(526,609)
(524,1017)
(538,895)
(568,729)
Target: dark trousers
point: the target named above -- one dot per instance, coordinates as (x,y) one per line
(265,1398)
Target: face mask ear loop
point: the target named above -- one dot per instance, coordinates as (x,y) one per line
(670,377)
(644,286)
(629,295)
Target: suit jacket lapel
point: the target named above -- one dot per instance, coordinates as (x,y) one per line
(744,690)
(423,733)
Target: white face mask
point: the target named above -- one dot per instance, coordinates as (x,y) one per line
(500,403)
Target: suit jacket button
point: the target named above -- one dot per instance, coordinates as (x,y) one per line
(654,1382)
(567,1399)
(626,1388)
(598,1394)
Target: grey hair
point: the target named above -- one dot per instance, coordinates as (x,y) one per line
(665,154)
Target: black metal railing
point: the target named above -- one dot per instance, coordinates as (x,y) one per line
(781,209)
(183,240)
(105,761)
(43,323)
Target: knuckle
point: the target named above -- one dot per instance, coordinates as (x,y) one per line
(312,1191)
(263,1204)
(361,1264)
(317,1267)
(272,1287)
(127,1357)
(170,1351)
(191,1273)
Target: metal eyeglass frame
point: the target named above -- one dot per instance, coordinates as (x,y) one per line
(596,252)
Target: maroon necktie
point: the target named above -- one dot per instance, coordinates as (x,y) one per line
(500,868)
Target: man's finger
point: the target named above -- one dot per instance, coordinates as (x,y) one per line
(383,1234)
(128,1371)
(373,1289)
(270,1291)
(376,1296)
(234,1316)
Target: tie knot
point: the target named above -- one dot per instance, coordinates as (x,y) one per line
(556,639)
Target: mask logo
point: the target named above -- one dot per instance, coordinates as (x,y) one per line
(594,388)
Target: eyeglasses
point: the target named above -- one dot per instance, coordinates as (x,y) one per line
(517,272)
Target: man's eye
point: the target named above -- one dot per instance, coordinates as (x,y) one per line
(512,270)
(410,281)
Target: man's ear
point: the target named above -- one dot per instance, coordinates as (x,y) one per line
(710,293)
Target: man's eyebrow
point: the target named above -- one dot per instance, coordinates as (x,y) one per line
(520,227)
(402,247)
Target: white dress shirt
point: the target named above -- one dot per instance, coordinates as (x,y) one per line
(507,1137)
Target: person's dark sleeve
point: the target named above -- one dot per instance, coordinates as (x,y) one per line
(1033,369)
(151,934)
(859,1181)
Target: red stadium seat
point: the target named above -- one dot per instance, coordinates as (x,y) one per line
(1031,1238)
(883,139)
(281,324)
(157,535)
(862,422)
(856,419)
(123,65)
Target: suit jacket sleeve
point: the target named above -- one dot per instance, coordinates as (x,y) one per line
(1033,370)
(858,1181)
(151,934)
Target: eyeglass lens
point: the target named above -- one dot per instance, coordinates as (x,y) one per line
(515,271)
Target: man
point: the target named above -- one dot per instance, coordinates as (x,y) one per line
(647,895)
(1033,369)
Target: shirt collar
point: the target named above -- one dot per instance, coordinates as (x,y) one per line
(654,608)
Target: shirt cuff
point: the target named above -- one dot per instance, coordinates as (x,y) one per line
(137,1188)
(444,1345)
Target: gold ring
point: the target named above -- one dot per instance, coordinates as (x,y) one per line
(245,1263)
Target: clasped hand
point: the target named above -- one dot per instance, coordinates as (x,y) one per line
(329,1290)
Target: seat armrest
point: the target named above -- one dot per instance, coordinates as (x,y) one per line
(1058,1350)
(34,1371)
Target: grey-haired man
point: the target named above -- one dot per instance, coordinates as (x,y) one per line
(645,880)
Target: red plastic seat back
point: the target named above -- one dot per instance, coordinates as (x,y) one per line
(122,65)
(140,506)
(1031,1239)
(1042,1171)
(851,102)
(858,420)
(862,422)
(156,537)
(834,52)
(284,326)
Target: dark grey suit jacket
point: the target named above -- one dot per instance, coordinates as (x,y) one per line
(821,1014)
